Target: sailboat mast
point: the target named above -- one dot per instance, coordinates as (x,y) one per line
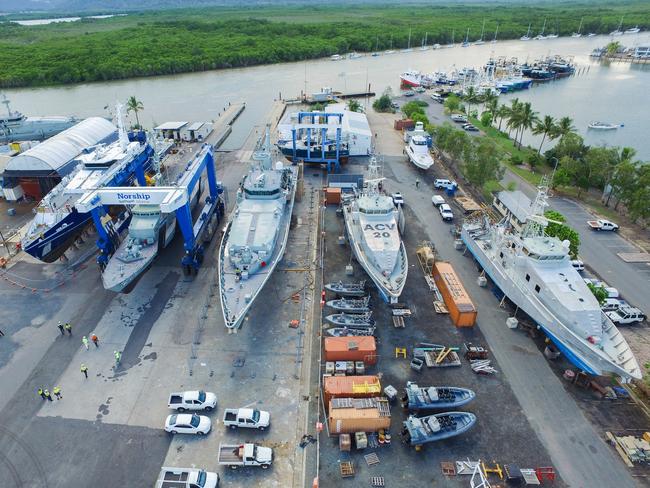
(409,46)
(483,29)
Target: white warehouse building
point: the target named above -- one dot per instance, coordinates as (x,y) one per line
(355,129)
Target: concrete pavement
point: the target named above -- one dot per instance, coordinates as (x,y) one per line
(576,447)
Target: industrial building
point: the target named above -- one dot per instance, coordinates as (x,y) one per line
(36,171)
(171,130)
(514,204)
(356,130)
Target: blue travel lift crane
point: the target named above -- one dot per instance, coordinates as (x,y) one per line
(312,126)
(172,198)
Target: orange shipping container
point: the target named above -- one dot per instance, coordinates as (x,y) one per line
(350,387)
(332,195)
(460,306)
(351,348)
(348,415)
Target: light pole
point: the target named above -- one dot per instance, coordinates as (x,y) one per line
(554,170)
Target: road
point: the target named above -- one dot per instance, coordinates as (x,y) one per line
(577,450)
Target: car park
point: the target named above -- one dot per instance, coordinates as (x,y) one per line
(445,212)
(186,423)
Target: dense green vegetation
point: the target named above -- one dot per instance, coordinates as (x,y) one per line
(557,228)
(176,41)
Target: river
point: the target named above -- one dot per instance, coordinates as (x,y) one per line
(616,92)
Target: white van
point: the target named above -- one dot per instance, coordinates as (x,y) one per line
(443,183)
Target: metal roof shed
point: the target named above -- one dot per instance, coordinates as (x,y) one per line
(55,156)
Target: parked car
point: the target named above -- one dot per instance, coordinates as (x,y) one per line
(420,89)
(248,418)
(409,93)
(437,200)
(602,224)
(398,199)
(437,98)
(394,105)
(626,315)
(445,212)
(192,400)
(611,304)
(470,128)
(187,423)
(186,478)
(459,118)
(578,264)
(244,454)
(442,183)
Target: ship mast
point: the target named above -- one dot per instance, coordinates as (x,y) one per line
(123,138)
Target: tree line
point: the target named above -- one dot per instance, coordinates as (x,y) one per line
(613,170)
(172,42)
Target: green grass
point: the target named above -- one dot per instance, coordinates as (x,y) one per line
(490,188)
(178,41)
(508,146)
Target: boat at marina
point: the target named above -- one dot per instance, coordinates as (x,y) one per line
(596,125)
(578,33)
(256,234)
(618,31)
(411,79)
(350,305)
(150,231)
(416,398)
(496,32)
(632,30)
(342,289)
(421,430)
(336,57)
(535,272)
(346,331)
(351,320)
(16,127)
(417,148)
(371,221)
(527,36)
(466,41)
(57,223)
(480,41)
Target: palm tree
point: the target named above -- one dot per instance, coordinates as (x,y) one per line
(528,118)
(471,96)
(501,113)
(492,105)
(564,127)
(546,127)
(513,116)
(353,105)
(134,105)
(490,100)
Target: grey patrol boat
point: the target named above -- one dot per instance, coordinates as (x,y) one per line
(256,234)
(14,126)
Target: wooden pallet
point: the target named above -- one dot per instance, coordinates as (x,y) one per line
(347,469)
(377,481)
(440,307)
(371,459)
(448,468)
(398,322)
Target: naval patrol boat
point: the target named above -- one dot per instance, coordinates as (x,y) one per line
(534,271)
(57,223)
(256,234)
(372,221)
(14,126)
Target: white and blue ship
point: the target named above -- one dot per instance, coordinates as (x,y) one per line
(57,223)
(535,272)
(14,126)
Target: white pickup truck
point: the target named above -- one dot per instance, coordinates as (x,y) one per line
(602,224)
(248,418)
(236,455)
(626,315)
(186,478)
(192,400)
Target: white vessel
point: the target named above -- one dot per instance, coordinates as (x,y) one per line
(632,30)
(417,148)
(256,235)
(527,36)
(371,221)
(603,126)
(534,271)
